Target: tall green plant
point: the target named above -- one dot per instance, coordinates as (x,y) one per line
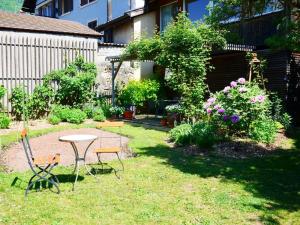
(76,83)
(184,48)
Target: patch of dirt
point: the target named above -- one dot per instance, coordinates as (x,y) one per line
(14,157)
(239,148)
(32,125)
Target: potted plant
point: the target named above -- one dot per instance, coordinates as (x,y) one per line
(135,94)
(173,114)
(116,111)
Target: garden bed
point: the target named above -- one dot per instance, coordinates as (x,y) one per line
(241,148)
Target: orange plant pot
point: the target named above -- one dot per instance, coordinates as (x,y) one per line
(128,115)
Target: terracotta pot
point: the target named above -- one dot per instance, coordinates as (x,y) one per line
(171,122)
(128,115)
(163,122)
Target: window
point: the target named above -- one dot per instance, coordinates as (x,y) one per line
(92,24)
(85,2)
(65,6)
(167,15)
(197,9)
(46,10)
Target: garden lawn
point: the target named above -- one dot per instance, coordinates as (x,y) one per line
(162,186)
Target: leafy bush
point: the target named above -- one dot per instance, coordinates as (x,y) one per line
(278,111)
(238,105)
(74,115)
(2,93)
(60,112)
(181,134)
(175,108)
(75,83)
(263,130)
(137,92)
(54,120)
(4,121)
(116,110)
(98,115)
(89,109)
(39,101)
(19,103)
(205,134)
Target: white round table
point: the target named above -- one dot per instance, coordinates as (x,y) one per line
(72,139)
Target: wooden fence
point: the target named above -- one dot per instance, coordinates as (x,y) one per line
(25,57)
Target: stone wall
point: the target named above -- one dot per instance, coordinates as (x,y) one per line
(125,74)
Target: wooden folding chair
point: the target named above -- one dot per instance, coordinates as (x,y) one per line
(116,149)
(40,166)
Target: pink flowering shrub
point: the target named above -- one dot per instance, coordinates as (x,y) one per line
(237,106)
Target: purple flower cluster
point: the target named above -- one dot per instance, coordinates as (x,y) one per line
(259,98)
(233,118)
(241,80)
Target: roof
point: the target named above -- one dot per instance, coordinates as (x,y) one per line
(37,24)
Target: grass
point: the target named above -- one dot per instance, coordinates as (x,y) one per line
(162,186)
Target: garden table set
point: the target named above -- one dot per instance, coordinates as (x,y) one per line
(73,139)
(42,166)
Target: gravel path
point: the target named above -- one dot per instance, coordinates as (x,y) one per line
(14,157)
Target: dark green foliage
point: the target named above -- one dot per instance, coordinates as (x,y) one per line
(98,115)
(88,109)
(4,121)
(181,134)
(278,112)
(263,130)
(137,92)
(54,120)
(59,111)
(76,116)
(75,83)
(2,91)
(39,103)
(205,134)
(19,102)
(184,48)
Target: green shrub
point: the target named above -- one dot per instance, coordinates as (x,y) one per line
(76,116)
(60,112)
(263,130)
(76,83)
(20,103)
(278,111)
(137,92)
(181,134)
(98,115)
(205,134)
(2,91)
(4,121)
(238,105)
(39,101)
(89,110)
(116,110)
(54,120)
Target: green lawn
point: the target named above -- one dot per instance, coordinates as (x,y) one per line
(162,186)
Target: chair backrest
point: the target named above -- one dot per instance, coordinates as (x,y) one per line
(110,124)
(118,124)
(27,148)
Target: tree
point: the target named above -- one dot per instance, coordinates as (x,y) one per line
(185,49)
(288,25)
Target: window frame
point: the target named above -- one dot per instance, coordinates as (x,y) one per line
(93,20)
(89,2)
(62,7)
(160,13)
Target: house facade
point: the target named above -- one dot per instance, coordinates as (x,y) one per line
(87,12)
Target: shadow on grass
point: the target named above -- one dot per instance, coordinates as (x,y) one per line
(275,177)
(62,178)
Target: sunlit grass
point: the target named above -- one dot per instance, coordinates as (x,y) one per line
(162,186)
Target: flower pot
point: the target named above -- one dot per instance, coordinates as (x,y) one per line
(128,115)
(163,122)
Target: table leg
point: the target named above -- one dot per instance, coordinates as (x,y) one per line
(84,158)
(76,156)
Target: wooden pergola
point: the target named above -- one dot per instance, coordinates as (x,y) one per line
(119,59)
